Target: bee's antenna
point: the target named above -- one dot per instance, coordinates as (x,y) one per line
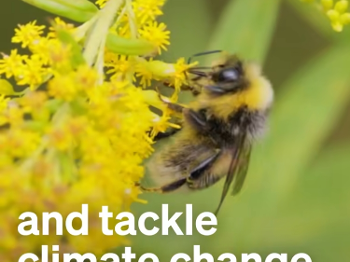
(198,73)
(203,53)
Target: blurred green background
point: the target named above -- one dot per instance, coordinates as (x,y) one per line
(296,198)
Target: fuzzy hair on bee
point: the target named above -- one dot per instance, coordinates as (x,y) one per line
(229,112)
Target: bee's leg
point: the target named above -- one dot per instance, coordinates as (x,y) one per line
(175,107)
(166,134)
(172,106)
(193,89)
(166,188)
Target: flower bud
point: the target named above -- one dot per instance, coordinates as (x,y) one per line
(333,15)
(327,4)
(125,46)
(341,6)
(345,18)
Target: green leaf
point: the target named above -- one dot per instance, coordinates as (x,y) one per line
(79,11)
(316,216)
(330,172)
(246,28)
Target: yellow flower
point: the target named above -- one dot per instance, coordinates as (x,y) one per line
(161,124)
(21,143)
(12,114)
(78,129)
(179,76)
(11,64)
(172,74)
(60,138)
(27,34)
(147,9)
(119,65)
(52,52)
(63,87)
(156,34)
(32,73)
(143,71)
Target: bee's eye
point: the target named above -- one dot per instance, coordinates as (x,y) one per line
(228,75)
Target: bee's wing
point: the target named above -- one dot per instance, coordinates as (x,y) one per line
(233,168)
(242,170)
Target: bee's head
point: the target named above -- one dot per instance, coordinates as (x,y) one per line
(238,83)
(242,82)
(227,77)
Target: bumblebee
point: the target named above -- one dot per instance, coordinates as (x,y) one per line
(229,112)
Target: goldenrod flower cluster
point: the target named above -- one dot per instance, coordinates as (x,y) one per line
(337,12)
(77,125)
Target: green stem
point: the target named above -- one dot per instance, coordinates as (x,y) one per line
(119,18)
(99,32)
(100,61)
